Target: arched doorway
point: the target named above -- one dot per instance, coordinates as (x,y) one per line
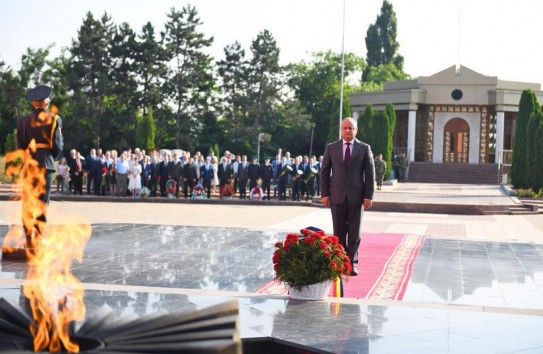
(456,141)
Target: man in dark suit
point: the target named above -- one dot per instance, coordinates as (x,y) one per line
(206,175)
(224,173)
(275,166)
(155,173)
(309,178)
(347,183)
(243,174)
(165,172)
(253,173)
(297,173)
(283,173)
(93,166)
(190,178)
(146,172)
(266,173)
(177,173)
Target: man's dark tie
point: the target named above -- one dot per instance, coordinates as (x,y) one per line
(347,158)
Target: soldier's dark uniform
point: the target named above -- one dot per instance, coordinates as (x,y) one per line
(44,128)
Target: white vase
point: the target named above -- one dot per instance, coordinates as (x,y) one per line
(318,291)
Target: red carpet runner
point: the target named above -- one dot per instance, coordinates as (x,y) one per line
(384,267)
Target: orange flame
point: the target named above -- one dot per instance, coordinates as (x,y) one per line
(54,294)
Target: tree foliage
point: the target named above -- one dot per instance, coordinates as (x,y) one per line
(316,86)
(377,129)
(147,131)
(533,161)
(537,152)
(11,104)
(528,107)
(89,74)
(150,68)
(384,61)
(190,78)
(234,71)
(381,43)
(264,82)
(113,84)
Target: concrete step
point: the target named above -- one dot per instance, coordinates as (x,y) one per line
(523,209)
(425,172)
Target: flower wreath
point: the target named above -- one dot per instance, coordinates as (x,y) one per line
(198,192)
(256,193)
(171,186)
(309,258)
(227,190)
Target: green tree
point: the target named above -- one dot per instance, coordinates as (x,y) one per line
(385,72)
(265,83)
(146,131)
(123,57)
(366,125)
(150,66)
(531,158)
(233,71)
(11,141)
(537,152)
(33,63)
(519,168)
(55,75)
(11,102)
(382,46)
(390,115)
(121,97)
(377,129)
(89,76)
(316,85)
(293,131)
(190,82)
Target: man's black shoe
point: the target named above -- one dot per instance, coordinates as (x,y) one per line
(354,272)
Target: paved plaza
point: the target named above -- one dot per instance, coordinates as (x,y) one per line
(476,285)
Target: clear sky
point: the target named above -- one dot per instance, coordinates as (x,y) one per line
(492,37)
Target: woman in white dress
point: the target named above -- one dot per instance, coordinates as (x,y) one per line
(215,180)
(134,185)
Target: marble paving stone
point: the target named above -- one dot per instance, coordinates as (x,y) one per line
(180,258)
(468,272)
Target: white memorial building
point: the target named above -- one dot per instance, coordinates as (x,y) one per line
(456,116)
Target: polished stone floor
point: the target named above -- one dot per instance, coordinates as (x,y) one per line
(478,273)
(463,296)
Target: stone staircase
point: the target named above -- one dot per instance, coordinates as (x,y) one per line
(427,172)
(528,206)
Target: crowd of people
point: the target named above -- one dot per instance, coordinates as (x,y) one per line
(178,173)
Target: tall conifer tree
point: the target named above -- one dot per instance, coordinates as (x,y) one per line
(531,158)
(190,80)
(265,82)
(538,158)
(519,168)
(234,73)
(381,44)
(89,74)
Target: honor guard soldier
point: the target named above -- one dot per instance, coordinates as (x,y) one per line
(44,128)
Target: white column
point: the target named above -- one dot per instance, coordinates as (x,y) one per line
(500,123)
(411,125)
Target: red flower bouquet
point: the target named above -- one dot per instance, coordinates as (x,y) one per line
(309,258)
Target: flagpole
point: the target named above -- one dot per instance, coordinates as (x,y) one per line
(342,71)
